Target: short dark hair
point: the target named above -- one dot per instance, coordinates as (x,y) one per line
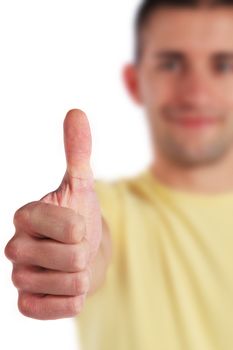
(147,7)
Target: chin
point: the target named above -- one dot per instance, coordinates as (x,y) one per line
(200,155)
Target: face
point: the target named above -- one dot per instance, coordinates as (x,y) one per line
(185,83)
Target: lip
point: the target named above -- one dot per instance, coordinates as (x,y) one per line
(194,122)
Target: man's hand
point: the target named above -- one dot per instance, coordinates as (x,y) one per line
(57,239)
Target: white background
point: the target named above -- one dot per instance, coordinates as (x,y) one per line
(57,55)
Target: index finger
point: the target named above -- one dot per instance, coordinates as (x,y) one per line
(51,221)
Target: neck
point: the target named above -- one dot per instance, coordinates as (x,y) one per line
(212,178)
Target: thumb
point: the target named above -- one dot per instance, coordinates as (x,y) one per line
(77,143)
(76,190)
(83,199)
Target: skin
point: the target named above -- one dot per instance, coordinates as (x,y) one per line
(197,82)
(62,246)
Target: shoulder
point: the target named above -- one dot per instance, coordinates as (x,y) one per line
(112,192)
(109,199)
(119,187)
(113,195)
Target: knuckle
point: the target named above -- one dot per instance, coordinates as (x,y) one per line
(22,215)
(75,229)
(35,209)
(17,278)
(29,306)
(20,278)
(13,250)
(19,215)
(80,283)
(7,250)
(71,231)
(75,305)
(25,306)
(84,283)
(77,259)
(75,285)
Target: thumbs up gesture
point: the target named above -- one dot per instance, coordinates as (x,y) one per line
(57,238)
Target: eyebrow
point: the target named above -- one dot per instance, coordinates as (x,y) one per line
(165,54)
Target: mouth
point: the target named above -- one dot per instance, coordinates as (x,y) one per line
(194,122)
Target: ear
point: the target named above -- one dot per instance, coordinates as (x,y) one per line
(130,77)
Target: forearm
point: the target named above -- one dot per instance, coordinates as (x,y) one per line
(99,265)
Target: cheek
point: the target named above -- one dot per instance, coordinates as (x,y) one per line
(229,122)
(159,93)
(225,104)
(227,100)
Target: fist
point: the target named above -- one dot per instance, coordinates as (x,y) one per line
(57,238)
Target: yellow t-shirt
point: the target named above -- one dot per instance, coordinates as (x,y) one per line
(170,283)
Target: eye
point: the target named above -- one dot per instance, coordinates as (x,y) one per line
(224,66)
(169,65)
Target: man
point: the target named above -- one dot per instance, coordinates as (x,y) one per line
(149,266)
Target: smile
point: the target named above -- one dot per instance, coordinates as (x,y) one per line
(194,122)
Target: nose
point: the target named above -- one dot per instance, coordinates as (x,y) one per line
(195,88)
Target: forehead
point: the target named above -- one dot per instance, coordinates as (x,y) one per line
(197,30)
